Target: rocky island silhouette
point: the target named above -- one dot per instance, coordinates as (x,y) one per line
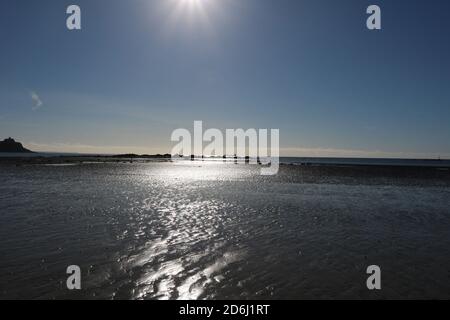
(10,145)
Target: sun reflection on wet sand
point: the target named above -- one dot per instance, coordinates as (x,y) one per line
(191,251)
(194,286)
(181,278)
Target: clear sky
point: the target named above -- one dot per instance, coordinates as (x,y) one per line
(139,69)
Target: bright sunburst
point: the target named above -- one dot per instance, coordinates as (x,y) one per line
(193,5)
(189,13)
(193,2)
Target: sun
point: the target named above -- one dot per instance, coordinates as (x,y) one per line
(189,13)
(193,4)
(196,18)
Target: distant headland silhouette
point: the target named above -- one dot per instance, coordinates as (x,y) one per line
(10,145)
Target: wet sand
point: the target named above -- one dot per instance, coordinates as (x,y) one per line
(214,230)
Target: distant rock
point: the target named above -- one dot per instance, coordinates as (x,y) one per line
(9,145)
(149,156)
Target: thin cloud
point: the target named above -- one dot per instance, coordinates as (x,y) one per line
(37,102)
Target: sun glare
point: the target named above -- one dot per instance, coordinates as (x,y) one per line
(197,5)
(189,13)
(191,1)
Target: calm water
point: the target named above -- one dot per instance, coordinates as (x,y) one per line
(205,230)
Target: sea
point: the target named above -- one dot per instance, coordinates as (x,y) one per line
(219,230)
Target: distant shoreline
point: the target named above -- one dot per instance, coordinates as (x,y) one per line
(47,158)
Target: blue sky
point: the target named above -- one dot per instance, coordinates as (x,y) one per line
(139,69)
